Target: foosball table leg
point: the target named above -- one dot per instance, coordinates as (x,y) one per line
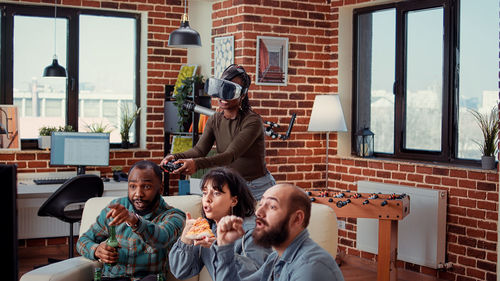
(387,250)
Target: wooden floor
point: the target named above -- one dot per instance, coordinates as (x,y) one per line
(353,268)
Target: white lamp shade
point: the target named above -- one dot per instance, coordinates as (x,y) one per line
(327,115)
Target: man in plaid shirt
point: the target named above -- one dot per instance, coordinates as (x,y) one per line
(146,228)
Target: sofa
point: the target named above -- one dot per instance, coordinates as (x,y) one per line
(322,229)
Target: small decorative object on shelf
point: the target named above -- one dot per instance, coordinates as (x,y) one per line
(364,143)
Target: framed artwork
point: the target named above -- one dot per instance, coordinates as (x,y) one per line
(181,144)
(223,54)
(9,127)
(186,71)
(272,61)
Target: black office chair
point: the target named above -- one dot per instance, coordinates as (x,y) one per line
(75,190)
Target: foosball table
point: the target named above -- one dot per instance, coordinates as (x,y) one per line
(387,208)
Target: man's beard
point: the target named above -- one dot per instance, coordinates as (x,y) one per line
(275,236)
(149,205)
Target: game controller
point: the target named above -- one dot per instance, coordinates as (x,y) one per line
(170,166)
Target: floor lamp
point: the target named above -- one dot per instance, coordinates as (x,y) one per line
(327,116)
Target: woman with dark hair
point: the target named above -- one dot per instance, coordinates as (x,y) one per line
(224,193)
(237,130)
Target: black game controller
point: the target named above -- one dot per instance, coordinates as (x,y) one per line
(170,166)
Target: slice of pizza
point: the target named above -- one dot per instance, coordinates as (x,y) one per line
(199,230)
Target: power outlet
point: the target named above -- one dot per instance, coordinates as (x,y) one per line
(341,224)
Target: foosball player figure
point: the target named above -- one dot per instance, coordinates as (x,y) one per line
(339,195)
(341,204)
(373,196)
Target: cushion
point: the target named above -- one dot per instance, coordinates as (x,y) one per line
(323,228)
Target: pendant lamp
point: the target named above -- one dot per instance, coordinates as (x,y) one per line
(54,70)
(184,36)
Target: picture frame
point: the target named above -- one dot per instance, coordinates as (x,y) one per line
(9,127)
(181,144)
(272,61)
(223,54)
(186,71)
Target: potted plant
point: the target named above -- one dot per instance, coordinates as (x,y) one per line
(128,116)
(488,123)
(98,128)
(45,132)
(183,92)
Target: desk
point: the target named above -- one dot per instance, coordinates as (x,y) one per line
(31,196)
(30,190)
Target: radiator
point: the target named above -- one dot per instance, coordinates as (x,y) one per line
(421,235)
(30,225)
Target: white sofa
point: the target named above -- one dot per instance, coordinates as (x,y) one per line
(322,228)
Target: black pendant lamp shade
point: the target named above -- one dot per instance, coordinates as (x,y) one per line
(54,70)
(184,36)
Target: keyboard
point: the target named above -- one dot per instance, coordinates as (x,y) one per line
(49,181)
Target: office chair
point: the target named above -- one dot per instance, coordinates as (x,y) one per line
(75,190)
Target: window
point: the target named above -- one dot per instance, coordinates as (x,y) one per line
(419,65)
(100,51)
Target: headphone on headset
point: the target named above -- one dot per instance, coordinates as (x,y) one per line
(238,71)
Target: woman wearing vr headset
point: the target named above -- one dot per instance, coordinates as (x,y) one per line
(237,130)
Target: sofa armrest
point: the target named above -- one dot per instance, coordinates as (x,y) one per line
(74,269)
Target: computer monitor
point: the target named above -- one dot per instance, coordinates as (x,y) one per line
(79,149)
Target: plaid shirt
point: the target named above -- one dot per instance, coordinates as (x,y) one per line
(141,251)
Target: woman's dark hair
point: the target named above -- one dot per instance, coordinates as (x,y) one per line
(237,187)
(233,71)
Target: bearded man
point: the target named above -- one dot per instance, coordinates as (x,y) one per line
(281,221)
(146,228)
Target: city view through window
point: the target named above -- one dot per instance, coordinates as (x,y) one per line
(478,76)
(106,73)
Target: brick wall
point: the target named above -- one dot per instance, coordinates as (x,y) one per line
(312,29)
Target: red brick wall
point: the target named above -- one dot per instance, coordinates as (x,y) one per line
(312,28)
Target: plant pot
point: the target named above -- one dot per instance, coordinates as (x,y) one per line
(125,144)
(488,162)
(44,142)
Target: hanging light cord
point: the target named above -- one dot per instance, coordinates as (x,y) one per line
(55,28)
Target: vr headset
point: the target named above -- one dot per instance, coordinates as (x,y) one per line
(223,89)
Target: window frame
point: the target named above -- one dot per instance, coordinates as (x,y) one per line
(450,106)
(72,87)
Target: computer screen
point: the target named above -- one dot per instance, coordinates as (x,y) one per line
(79,149)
